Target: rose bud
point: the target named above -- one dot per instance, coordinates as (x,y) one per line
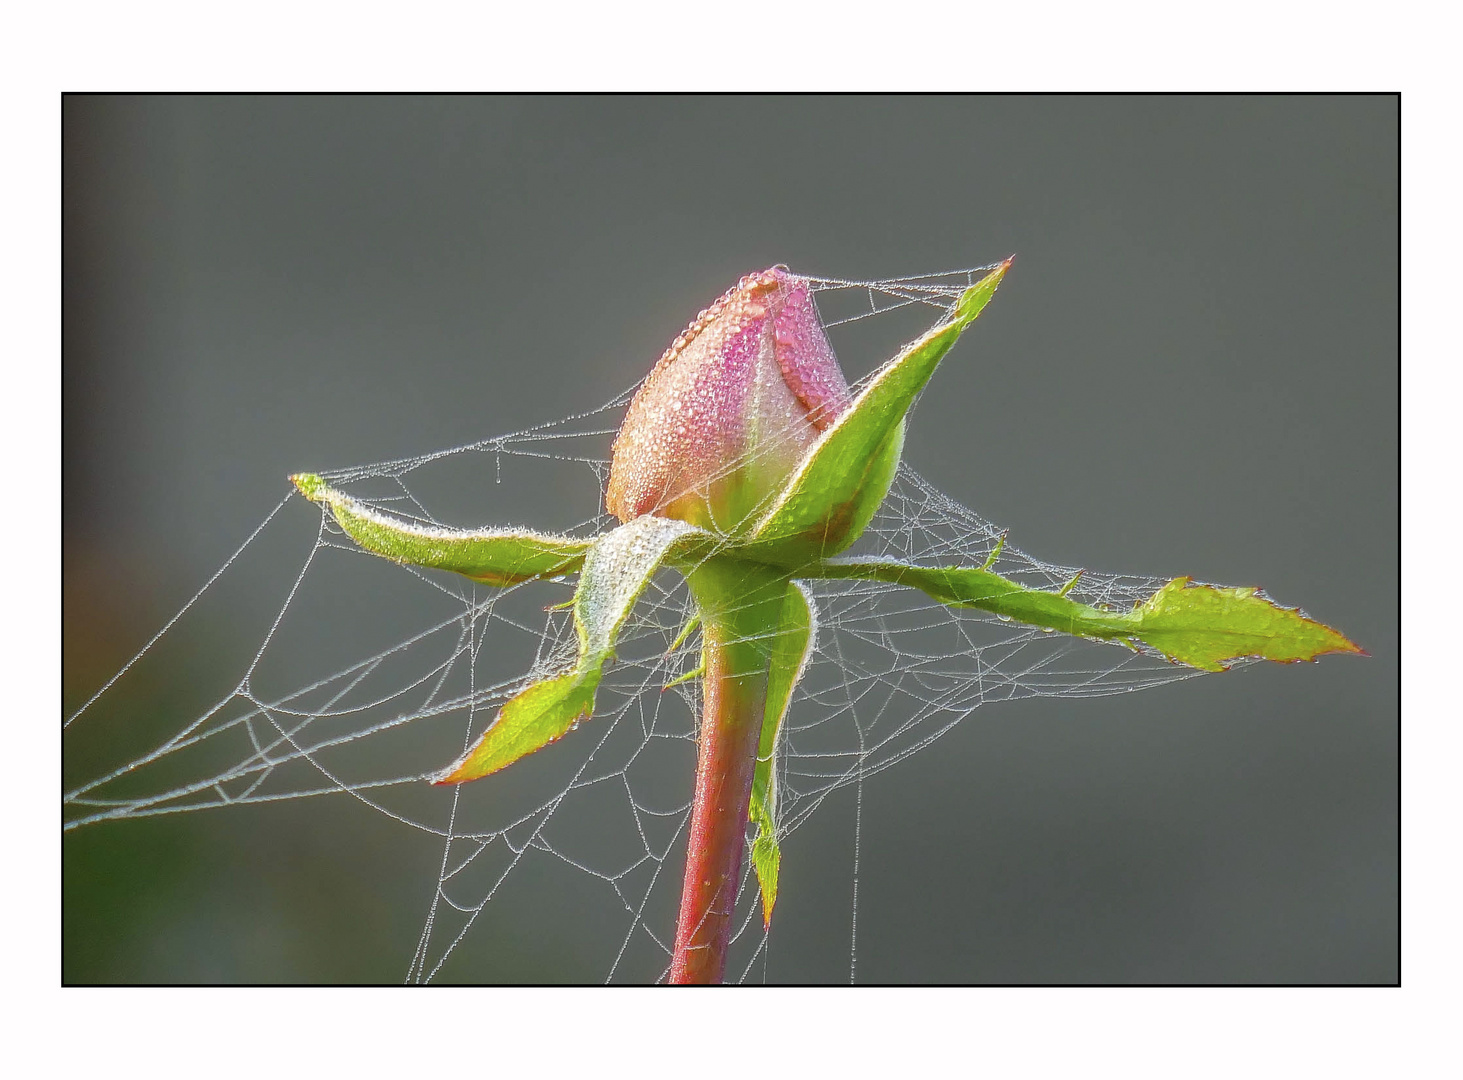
(730,409)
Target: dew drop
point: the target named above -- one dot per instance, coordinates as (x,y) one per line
(1004,618)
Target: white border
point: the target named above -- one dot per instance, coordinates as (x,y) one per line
(297,46)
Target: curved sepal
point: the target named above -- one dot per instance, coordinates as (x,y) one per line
(616,570)
(791,648)
(1199,625)
(492,556)
(845,475)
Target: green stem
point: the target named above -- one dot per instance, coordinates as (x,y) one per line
(740,604)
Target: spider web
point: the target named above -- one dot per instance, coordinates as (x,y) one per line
(889,673)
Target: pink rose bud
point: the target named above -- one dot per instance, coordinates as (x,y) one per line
(730,409)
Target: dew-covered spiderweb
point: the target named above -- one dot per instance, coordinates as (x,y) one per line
(371,676)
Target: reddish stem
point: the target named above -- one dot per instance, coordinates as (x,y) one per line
(739,610)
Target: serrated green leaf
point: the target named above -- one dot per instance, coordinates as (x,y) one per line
(616,570)
(1204,625)
(498,557)
(839,485)
(1198,625)
(790,650)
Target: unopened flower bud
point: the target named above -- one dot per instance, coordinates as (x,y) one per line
(730,409)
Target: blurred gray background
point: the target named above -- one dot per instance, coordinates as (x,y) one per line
(1192,368)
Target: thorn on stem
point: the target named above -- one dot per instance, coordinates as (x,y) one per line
(687,677)
(995,551)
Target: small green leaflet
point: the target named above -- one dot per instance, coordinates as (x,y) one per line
(491,556)
(790,650)
(616,570)
(1198,625)
(838,487)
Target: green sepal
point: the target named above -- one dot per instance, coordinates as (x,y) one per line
(767,862)
(790,650)
(1198,625)
(498,557)
(616,570)
(830,499)
(537,716)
